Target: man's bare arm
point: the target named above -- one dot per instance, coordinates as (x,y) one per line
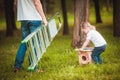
(39,8)
(15,2)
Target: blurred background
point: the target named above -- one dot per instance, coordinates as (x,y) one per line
(60,61)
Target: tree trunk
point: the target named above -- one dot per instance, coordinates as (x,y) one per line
(9,16)
(80,15)
(97,11)
(65,28)
(44,6)
(13,19)
(107,5)
(116,18)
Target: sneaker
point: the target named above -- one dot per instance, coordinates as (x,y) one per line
(16,70)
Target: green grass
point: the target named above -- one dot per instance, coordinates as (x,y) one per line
(60,61)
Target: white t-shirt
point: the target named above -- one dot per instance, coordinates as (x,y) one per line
(27,11)
(96,38)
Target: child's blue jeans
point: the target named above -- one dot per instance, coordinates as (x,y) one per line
(96,54)
(26,28)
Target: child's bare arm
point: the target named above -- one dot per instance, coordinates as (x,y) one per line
(85,44)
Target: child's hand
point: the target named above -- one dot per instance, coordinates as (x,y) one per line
(80,49)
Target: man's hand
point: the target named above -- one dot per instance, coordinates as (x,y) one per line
(45,22)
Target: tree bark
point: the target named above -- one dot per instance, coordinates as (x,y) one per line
(80,15)
(97,11)
(44,6)
(116,18)
(65,23)
(107,5)
(9,16)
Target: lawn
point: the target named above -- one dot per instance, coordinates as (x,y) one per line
(60,61)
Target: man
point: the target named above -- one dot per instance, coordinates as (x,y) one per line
(31,16)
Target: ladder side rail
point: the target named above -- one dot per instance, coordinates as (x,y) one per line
(33,55)
(36,42)
(45,35)
(42,44)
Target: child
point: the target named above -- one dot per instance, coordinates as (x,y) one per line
(96,38)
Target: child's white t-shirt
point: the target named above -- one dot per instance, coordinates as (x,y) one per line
(96,38)
(27,11)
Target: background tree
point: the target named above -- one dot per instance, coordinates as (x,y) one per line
(80,15)
(9,16)
(97,11)
(107,5)
(65,21)
(44,6)
(116,18)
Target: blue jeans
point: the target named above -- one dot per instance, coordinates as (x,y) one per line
(27,27)
(96,54)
